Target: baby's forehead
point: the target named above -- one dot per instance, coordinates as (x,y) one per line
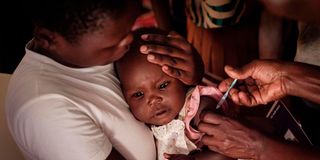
(142,65)
(143,75)
(136,64)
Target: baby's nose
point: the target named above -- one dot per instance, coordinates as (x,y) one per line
(154,100)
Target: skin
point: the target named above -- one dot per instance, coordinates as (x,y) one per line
(264,81)
(207,103)
(239,142)
(178,58)
(270,80)
(160,87)
(108,44)
(99,47)
(271,36)
(295,9)
(246,143)
(153,96)
(163,18)
(267,80)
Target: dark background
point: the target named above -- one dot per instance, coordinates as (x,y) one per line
(15,32)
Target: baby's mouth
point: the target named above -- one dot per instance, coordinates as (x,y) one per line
(161,112)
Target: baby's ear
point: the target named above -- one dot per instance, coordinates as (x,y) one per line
(44,37)
(126,41)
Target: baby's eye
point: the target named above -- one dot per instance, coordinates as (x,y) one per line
(163,85)
(137,94)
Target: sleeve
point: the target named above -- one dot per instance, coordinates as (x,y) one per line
(215,14)
(133,139)
(52,127)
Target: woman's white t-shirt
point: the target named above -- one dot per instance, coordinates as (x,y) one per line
(62,113)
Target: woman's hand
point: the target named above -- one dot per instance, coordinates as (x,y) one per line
(177,57)
(260,82)
(230,138)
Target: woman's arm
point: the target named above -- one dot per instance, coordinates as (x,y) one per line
(302,80)
(307,10)
(277,150)
(161,9)
(230,138)
(264,81)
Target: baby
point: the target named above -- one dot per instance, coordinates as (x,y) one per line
(164,103)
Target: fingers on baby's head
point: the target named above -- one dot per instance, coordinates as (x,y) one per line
(139,45)
(134,60)
(143,38)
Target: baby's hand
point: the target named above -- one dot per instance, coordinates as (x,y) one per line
(177,57)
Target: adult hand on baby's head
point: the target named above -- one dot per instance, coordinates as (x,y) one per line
(260,82)
(177,57)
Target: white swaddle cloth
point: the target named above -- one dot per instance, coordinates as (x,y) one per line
(171,139)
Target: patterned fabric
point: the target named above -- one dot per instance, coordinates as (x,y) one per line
(178,136)
(215,13)
(171,139)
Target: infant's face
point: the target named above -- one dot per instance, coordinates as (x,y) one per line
(153,97)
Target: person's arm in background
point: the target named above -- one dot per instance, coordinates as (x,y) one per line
(230,138)
(307,10)
(161,9)
(267,80)
(271,37)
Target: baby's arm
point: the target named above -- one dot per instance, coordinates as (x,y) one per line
(206,104)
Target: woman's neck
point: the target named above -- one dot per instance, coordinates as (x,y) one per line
(34,46)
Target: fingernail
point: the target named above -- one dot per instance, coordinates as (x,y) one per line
(143,49)
(144,36)
(123,43)
(151,57)
(165,68)
(229,68)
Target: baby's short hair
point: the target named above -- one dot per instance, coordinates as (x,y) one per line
(138,41)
